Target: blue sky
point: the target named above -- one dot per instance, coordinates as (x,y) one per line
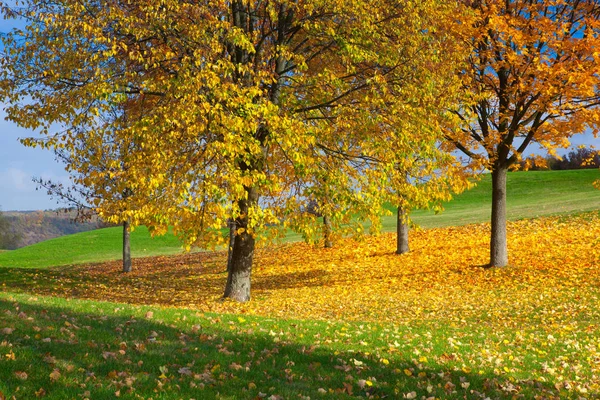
(19,164)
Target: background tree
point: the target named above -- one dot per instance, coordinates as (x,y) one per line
(236,102)
(534,68)
(580,158)
(9,239)
(83,198)
(103,160)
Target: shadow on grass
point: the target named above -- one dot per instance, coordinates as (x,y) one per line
(79,349)
(166,280)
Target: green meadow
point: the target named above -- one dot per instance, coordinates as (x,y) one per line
(72,326)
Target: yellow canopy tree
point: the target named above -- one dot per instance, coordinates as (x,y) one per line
(534,70)
(236,102)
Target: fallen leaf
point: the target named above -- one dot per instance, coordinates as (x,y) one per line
(55,375)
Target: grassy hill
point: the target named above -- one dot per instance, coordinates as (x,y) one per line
(92,246)
(353,322)
(530,194)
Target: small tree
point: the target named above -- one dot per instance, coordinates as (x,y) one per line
(100,181)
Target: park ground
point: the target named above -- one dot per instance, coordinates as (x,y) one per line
(355,321)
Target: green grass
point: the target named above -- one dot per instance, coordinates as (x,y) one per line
(76,349)
(530,194)
(92,246)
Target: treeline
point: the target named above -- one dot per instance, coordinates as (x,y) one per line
(23,228)
(580,158)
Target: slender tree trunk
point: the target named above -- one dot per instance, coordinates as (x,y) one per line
(242,254)
(126,247)
(327,232)
(498,245)
(231,242)
(401,232)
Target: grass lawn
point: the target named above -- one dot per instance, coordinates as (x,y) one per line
(92,246)
(530,194)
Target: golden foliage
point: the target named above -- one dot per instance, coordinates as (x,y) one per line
(553,266)
(220,102)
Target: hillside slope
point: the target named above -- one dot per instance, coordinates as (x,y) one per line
(529,194)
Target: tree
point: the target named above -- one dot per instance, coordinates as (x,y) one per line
(419,174)
(533,69)
(236,104)
(102,161)
(9,239)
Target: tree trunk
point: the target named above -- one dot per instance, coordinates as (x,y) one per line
(402,232)
(327,232)
(231,242)
(498,246)
(242,254)
(126,248)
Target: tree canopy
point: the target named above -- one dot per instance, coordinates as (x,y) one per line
(534,71)
(242,110)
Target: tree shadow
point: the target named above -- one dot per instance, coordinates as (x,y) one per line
(482,266)
(103,349)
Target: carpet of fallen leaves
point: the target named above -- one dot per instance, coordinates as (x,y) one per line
(554,264)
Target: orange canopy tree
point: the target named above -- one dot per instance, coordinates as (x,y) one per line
(534,69)
(236,102)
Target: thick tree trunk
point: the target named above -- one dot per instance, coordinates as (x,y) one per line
(327,232)
(238,276)
(401,232)
(126,248)
(498,245)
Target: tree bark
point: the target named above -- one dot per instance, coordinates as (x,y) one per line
(242,254)
(402,229)
(126,247)
(327,232)
(231,242)
(498,244)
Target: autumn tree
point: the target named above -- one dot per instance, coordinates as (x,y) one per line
(420,174)
(98,180)
(533,66)
(418,183)
(238,102)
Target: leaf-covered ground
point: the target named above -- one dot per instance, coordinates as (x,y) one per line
(354,321)
(554,262)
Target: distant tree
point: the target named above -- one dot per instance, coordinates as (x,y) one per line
(101,180)
(9,239)
(579,158)
(583,158)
